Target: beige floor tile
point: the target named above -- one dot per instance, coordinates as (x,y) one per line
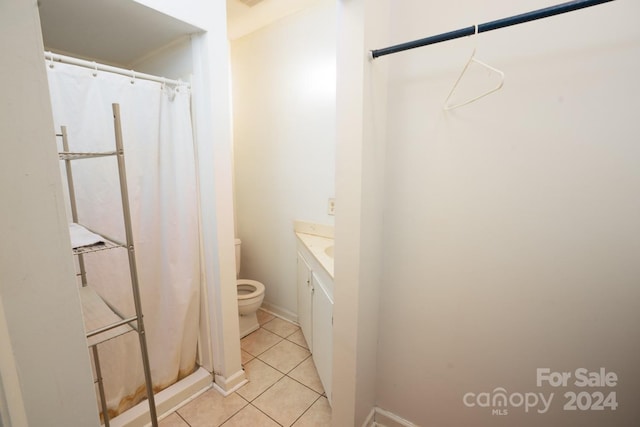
(264,317)
(246,357)
(172,420)
(307,374)
(298,338)
(259,341)
(281,327)
(211,409)
(286,401)
(261,376)
(250,416)
(319,415)
(284,356)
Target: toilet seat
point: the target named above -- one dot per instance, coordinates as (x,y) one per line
(250,289)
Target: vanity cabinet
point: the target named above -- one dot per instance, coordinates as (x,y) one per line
(322,327)
(315,313)
(305,295)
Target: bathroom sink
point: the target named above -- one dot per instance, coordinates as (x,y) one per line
(329,251)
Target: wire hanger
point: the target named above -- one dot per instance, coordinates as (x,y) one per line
(472,59)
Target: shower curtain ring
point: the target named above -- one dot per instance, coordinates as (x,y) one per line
(51,59)
(95,69)
(133,77)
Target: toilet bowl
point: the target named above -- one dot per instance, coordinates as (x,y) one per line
(250,297)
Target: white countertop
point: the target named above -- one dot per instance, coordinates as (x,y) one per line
(317,245)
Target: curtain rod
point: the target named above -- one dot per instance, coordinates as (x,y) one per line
(52,57)
(489,26)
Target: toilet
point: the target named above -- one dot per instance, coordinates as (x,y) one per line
(250,296)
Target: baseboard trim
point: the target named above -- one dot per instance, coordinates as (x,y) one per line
(379,417)
(280,312)
(227,385)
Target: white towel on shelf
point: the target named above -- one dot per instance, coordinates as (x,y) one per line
(80,236)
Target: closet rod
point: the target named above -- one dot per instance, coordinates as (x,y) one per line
(489,26)
(51,57)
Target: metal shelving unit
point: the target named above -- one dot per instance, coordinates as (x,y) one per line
(101,321)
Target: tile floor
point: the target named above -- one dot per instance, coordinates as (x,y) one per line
(283,389)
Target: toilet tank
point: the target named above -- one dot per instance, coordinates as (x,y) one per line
(238,243)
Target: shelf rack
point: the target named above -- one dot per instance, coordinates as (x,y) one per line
(102,322)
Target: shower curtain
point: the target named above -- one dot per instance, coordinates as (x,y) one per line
(161,176)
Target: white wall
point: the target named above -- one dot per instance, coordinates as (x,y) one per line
(243,19)
(284,142)
(360,172)
(41,307)
(511,228)
(174,61)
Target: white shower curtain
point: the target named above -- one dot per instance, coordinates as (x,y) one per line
(159,153)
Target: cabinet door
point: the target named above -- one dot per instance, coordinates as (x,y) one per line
(323,334)
(305,294)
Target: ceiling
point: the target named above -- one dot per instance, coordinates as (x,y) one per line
(121,32)
(116,32)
